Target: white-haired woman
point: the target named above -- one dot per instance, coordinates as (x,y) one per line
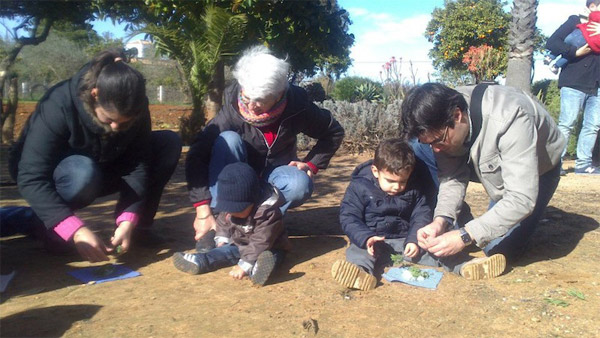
(258,124)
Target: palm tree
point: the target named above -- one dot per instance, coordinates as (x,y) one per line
(521,44)
(201,44)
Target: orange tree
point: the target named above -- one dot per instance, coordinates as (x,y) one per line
(461,24)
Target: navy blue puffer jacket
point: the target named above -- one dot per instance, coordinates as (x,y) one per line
(368,211)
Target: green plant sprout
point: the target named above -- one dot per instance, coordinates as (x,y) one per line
(397,259)
(576,293)
(416,272)
(556,302)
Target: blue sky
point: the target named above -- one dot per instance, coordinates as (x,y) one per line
(386,28)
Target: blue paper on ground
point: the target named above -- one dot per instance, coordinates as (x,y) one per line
(92,274)
(399,275)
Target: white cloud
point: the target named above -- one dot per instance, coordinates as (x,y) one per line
(386,35)
(382,35)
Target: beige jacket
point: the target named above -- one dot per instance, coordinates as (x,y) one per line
(518,142)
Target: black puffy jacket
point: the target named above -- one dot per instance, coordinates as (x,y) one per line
(300,116)
(581,73)
(59,127)
(368,211)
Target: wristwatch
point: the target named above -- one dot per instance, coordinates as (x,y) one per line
(464,235)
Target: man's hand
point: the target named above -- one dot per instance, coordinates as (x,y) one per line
(204,221)
(446,244)
(89,246)
(583,50)
(371,244)
(430,231)
(237,272)
(122,236)
(411,250)
(302,166)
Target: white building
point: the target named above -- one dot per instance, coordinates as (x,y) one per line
(145,48)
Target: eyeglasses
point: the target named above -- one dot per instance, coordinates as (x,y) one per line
(439,140)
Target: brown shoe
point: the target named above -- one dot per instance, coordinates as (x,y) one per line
(484,267)
(352,276)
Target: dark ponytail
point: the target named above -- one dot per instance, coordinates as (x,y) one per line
(120,87)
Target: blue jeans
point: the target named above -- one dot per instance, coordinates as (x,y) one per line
(227,255)
(572,101)
(79,180)
(575,38)
(383,251)
(294,184)
(513,244)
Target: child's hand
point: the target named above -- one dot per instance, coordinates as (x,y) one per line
(237,272)
(371,244)
(411,250)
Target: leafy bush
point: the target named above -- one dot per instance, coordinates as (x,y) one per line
(368,92)
(365,123)
(346,89)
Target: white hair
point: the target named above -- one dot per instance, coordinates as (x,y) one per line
(260,73)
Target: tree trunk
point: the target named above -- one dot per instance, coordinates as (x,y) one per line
(9,60)
(214,97)
(521,40)
(8,133)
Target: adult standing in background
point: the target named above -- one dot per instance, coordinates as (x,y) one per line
(578,82)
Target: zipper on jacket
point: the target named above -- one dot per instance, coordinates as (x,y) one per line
(276,137)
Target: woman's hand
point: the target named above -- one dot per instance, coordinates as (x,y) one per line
(204,221)
(122,236)
(89,246)
(593,27)
(583,50)
(302,166)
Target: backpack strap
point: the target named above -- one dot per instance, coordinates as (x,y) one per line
(475,110)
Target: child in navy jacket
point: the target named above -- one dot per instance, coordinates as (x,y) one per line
(382,210)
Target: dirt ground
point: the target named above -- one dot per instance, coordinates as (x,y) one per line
(535,298)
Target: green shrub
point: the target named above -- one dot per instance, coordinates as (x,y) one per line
(346,89)
(368,92)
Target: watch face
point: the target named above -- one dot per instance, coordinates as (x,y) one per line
(464,235)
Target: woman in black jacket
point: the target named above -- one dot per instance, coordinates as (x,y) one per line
(91,136)
(258,124)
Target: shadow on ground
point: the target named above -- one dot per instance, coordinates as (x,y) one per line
(52,321)
(557,236)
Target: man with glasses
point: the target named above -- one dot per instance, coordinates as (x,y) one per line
(503,139)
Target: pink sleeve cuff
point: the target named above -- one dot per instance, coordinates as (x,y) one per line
(68,227)
(128,216)
(312,167)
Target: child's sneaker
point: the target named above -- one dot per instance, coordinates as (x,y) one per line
(187,262)
(264,266)
(484,267)
(547,59)
(591,170)
(352,276)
